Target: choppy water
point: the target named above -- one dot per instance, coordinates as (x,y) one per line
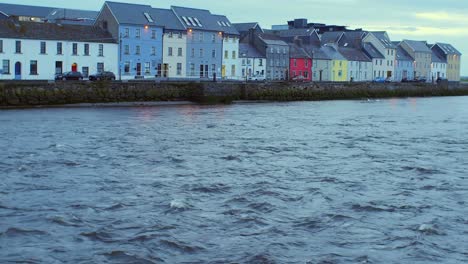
(309,182)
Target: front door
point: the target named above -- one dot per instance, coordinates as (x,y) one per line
(320,75)
(405,75)
(18,70)
(389,74)
(138,69)
(165,70)
(58,67)
(206,71)
(202,72)
(74,67)
(223,71)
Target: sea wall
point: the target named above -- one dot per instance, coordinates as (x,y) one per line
(25,93)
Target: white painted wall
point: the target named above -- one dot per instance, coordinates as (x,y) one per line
(438,69)
(382,66)
(360,71)
(253,68)
(231,46)
(325,67)
(175,42)
(30,50)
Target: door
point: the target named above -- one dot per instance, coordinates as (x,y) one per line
(18,70)
(138,69)
(165,70)
(74,67)
(159,70)
(58,67)
(389,74)
(223,71)
(206,71)
(405,74)
(202,72)
(320,75)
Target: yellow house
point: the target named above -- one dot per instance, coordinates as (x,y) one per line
(453,57)
(339,64)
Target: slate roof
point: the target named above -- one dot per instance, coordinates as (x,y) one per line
(402,55)
(206,20)
(244,27)
(353,54)
(448,49)
(332,53)
(131,13)
(249,51)
(270,39)
(331,37)
(296,32)
(436,57)
(316,52)
(382,37)
(51,31)
(297,52)
(73,16)
(25,10)
(372,51)
(353,38)
(229,28)
(167,19)
(418,46)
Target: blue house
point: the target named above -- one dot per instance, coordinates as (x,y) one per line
(204,42)
(404,65)
(140,38)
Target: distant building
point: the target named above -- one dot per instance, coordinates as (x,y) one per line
(422,56)
(378,66)
(253,63)
(27,13)
(359,65)
(246,29)
(438,65)
(339,64)
(300,64)
(72,16)
(452,56)
(230,68)
(276,52)
(383,67)
(404,65)
(37,51)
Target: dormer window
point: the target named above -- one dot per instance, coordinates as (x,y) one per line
(198,22)
(148,17)
(187,22)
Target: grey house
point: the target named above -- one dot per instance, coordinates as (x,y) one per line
(422,56)
(26,12)
(245,29)
(276,52)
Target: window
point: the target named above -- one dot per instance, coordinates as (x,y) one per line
(307,63)
(243,62)
(75,48)
(260,62)
(192,69)
(100,67)
(200,36)
(101,50)
(147,68)
(170,35)
(193,53)
(127,67)
(138,50)
(213,38)
(6,66)
(86,49)
(340,73)
(169,51)
(179,35)
(59,48)
(213,68)
(179,52)
(248,61)
(179,68)
(295,62)
(126,49)
(18,46)
(153,34)
(137,33)
(226,54)
(201,53)
(85,71)
(43,47)
(391,63)
(33,68)
(153,51)
(213,53)
(126,33)
(234,54)
(1,45)
(233,70)
(306,75)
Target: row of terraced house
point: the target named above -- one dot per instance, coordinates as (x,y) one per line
(142,42)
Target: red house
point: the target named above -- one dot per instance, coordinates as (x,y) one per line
(300,64)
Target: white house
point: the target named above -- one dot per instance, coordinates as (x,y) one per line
(174,54)
(231,62)
(253,63)
(37,51)
(382,67)
(438,67)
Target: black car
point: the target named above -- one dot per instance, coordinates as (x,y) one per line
(102,76)
(69,76)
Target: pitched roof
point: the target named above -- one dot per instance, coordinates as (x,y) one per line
(271,39)
(203,19)
(51,31)
(353,54)
(436,56)
(332,53)
(225,25)
(417,46)
(384,39)
(316,52)
(131,13)
(447,48)
(248,51)
(25,10)
(296,32)
(352,38)
(331,37)
(167,19)
(244,27)
(297,52)
(371,51)
(401,54)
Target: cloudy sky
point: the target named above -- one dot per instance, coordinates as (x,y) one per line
(429,20)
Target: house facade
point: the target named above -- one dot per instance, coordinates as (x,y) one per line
(422,56)
(404,66)
(378,67)
(382,67)
(276,52)
(359,66)
(321,64)
(339,64)
(438,66)
(140,38)
(230,68)
(300,64)
(452,56)
(38,51)
(253,63)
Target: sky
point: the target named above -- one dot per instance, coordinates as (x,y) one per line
(430,20)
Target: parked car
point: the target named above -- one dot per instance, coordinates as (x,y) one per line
(298,78)
(69,76)
(379,80)
(102,76)
(420,79)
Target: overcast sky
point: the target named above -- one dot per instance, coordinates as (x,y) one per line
(430,20)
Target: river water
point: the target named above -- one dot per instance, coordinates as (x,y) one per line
(380,181)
